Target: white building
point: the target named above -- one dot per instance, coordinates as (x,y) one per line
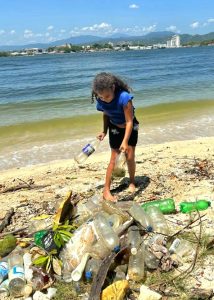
(175,42)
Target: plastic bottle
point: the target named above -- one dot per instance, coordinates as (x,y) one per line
(88,209)
(180,247)
(77,273)
(115,221)
(159,221)
(40,278)
(134,239)
(92,268)
(87,151)
(3,271)
(27,266)
(141,216)
(4,289)
(186,207)
(136,265)
(166,206)
(38,224)
(119,168)
(104,233)
(16,274)
(151,260)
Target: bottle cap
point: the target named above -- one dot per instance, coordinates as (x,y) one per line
(88,275)
(149,228)
(133,251)
(117,249)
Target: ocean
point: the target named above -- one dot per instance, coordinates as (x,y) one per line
(45,100)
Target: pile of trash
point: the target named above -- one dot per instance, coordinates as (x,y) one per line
(110,246)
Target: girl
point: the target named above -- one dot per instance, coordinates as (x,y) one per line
(115,101)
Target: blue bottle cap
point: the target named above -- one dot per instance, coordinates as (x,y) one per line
(117,249)
(88,275)
(149,228)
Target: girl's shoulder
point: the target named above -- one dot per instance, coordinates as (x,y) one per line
(125,97)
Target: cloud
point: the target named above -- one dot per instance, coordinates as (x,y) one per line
(51,27)
(28,34)
(210,20)
(98,27)
(2,31)
(133,6)
(172,28)
(62,30)
(195,25)
(12,31)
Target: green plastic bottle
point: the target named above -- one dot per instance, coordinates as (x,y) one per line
(186,207)
(166,206)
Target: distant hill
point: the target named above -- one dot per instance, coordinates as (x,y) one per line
(148,39)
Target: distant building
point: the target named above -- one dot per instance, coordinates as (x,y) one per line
(175,42)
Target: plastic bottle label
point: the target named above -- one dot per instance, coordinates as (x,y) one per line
(16,272)
(88,149)
(3,269)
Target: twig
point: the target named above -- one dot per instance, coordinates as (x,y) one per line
(23,186)
(6,220)
(12,232)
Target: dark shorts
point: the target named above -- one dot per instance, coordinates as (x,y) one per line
(116,135)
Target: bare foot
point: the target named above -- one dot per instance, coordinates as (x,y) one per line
(131,188)
(109,197)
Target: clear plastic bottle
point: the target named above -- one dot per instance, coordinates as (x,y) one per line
(136,265)
(4,289)
(87,151)
(38,224)
(3,271)
(119,168)
(16,274)
(92,268)
(151,260)
(88,209)
(115,221)
(134,239)
(104,233)
(159,221)
(141,216)
(180,247)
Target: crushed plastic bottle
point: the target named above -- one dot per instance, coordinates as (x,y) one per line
(142,217)
(119,168)
(166,206)
(187,207)
(4,289)
(159,221)
(88,209)
(151,260)
(87,151)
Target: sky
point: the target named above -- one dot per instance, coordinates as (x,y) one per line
(29,21)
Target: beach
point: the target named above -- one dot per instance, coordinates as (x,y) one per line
(162,171)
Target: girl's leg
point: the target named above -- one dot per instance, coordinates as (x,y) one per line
(130,158)
(106,192)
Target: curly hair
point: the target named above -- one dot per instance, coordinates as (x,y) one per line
(104,81)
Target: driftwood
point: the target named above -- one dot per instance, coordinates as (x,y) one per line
(23,186)
(13,231)
(6,220)
(99,280)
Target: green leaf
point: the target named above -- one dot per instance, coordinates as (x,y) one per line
(41,260)
(57,240)
(65,233)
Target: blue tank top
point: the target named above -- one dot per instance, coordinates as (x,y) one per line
(114,109)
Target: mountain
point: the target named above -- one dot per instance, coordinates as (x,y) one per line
(148,39)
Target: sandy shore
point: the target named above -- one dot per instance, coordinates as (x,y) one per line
(163,170)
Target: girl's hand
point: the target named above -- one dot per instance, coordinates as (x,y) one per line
(124,147)
(101,136)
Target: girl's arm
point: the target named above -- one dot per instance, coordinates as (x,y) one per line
(105,127)
(128,111)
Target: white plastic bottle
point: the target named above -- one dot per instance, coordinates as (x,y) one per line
(159,221)
(138,213)
(16,274)
(87,151)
